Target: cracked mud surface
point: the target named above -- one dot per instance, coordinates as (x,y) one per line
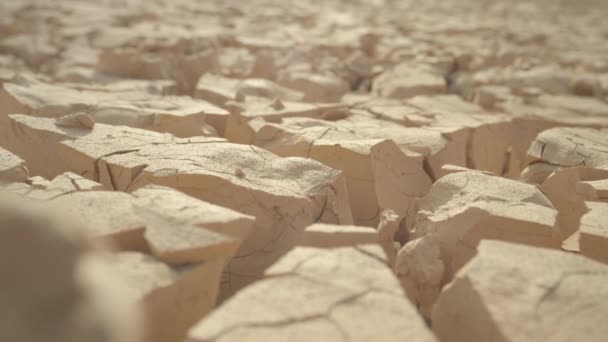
(325,289)
(319,171)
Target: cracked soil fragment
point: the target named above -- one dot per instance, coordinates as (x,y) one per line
(339,294)
(465,207)
(538,297)
(284,194)
(12,168)
(593,231)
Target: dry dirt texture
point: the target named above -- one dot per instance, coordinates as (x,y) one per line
(341,170)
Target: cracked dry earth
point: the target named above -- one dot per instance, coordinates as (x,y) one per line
(264,170)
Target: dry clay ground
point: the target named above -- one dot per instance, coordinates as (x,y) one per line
(303,170)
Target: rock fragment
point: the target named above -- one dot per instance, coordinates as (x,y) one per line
(571,244)
(594,231)
(465,207)
(38,182)
(45,146)
(444,128)
(484,138)
(82,298)
(332,236)
(71,182)
(564,147)
(547,78)
(378,174)
(12,168)
(317,88)
(406,80)
(186,210)
(161,221)
(388,226)
(238,128)
(175,261)
(594,190)
(76,120)
(585,86)
(219,90)
(538,297)
(344,293)
(173,298)
(569,163)
(116,104)
(566,190)
(530,119)
(390,230)
(284,194)
(430,144)
(488,96)
(419,267)
(42,189)
(254,98)
(181,229)
(108,216)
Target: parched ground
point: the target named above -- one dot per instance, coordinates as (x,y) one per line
(188,171)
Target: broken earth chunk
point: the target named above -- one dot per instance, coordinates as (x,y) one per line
(316,87)
(51,150)
(108,216)
(38,182)
(270,110)
(593,239)
(180,282)
(465,207)
(568,189)
(81,299)
(331,236)
(219,90)
(511,292)
(284,194)
(448,168)
(186,243)
(388,226)
(485,137)
(420,269)
(172,298)
(435,148)
(378,174)
(170,224)
(43,189)
(12,168)
(563,147)
(76,120)
(181,229)
(388,229)
(114,104)
(253,98)
(530,120)
(407,80)
(445,129)
(71,182)
(344,293)
(181,209)
(593,190)
(574,161)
